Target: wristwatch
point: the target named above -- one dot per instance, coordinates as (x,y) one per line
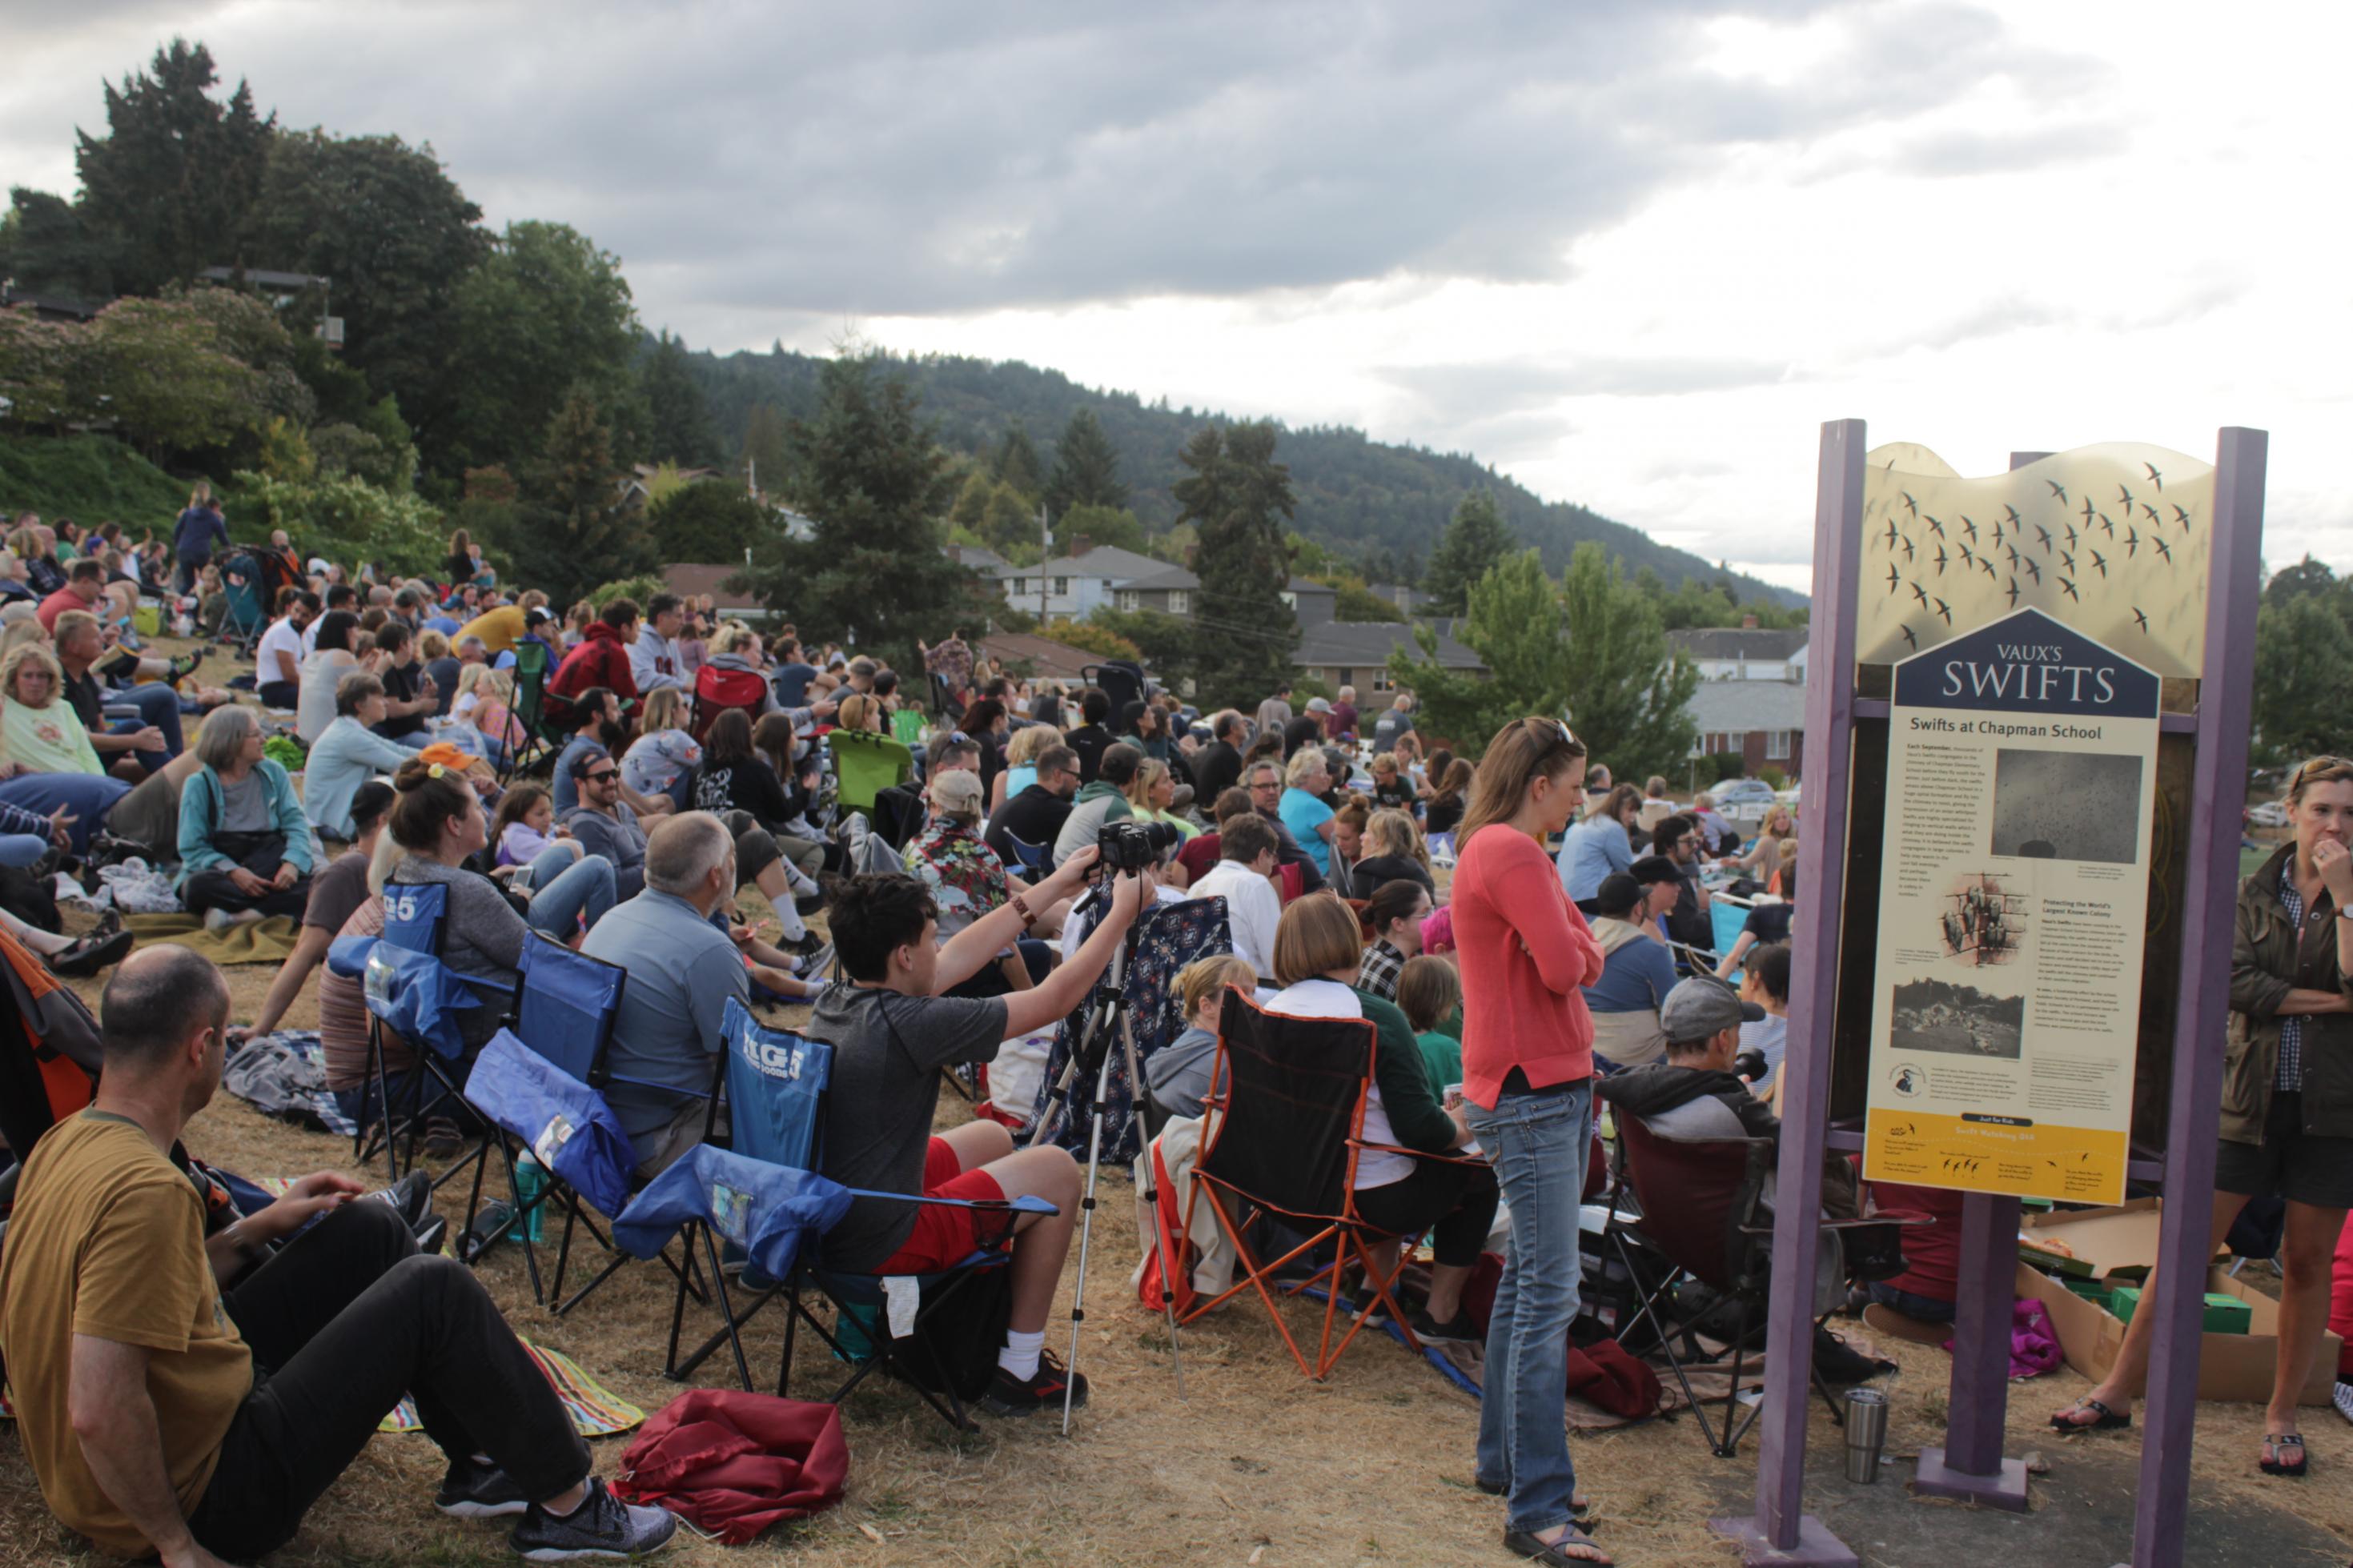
(1021,908)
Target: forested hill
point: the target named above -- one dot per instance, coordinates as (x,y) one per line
(1355,494)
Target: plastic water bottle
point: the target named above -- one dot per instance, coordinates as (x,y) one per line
(531,1181)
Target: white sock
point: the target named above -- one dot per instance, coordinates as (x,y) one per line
(1018,1359)
(789,919)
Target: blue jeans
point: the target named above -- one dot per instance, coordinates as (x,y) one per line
(89,796)
(22,849)
(1539,1145)
(1927,1309)
(158,705)
(565,895)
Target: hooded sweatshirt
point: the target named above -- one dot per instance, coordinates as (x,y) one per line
(1096,806)
(1637,972)
(601,659)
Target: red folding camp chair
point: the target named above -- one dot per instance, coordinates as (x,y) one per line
(1282,1144)
(716,690)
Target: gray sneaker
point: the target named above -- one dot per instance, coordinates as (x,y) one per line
(604,1526)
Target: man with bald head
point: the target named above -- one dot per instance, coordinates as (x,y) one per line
(184,1391)
(682,969)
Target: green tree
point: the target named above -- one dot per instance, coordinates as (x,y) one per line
(1092,636)
(681,431)
(1512,621)
(385,223)
(1017,460)
(867,469)
(1628,697)
(44,369)
(167,380)
(166,192)
(2303,667)
(347,518)
(1007,520)
(545,316)
(710,521)
(1164,642)
(1240,498)
(1357,603)
(1086,470)
(571,536)
(1473,543)
(45,247)
(1114,526)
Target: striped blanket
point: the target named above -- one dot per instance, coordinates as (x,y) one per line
(595,1411)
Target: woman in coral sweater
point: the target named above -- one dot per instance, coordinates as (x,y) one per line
(1527,1081)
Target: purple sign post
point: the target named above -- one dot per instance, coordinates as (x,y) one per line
(1970,1464)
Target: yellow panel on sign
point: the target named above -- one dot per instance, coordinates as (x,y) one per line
(2110,540)
(1929,1150)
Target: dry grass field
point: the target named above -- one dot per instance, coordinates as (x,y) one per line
(1253,1466)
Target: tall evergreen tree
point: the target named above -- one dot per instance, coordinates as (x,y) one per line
(681,431)
(867,469)
(576,537)
(1240,498)
(1475,541)
(768,448)
(169,187)
(546,312)
(1086,468)
(1018,463)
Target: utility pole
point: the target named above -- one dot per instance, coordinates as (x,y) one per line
(1045,558)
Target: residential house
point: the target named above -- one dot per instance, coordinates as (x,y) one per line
(1356,653)
(1761,721)
(1036,656)
(1745,652)
(694,580)
(1074,586)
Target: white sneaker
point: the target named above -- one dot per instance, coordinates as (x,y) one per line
(221,920)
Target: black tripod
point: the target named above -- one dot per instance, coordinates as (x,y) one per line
(1106,1019)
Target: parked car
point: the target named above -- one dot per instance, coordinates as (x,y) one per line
(1743,800)
(2271,814)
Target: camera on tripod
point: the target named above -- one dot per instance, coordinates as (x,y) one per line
(1133,845)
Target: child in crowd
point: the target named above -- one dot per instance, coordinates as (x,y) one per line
(1430,994)
(1179,1073)
(525,825)
(1392,791)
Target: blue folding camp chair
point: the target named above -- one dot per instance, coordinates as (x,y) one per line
(775,1092)
(1037,859)
(409,989)
(540,1085)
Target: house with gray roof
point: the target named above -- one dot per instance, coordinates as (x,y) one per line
(1747,652)
(1761,721)
(1356,653)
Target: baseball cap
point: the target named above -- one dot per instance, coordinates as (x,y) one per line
(1317,705)
(957,790)
(1703,1006)
(1652,869)
(1618,893)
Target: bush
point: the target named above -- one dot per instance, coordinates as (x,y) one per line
(347,519)
(638,588)
(1774,776)
(1095,639)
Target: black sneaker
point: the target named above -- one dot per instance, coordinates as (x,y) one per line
(1010,1395)
(1457,1329)
(604,1526)
(808,903)
(476,1490)
(90,954)
(810,946)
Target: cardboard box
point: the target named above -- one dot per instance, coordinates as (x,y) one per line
(2117,1243)
(2230,1367)
(2224,1314)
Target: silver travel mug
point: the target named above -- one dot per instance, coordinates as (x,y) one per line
(1866,1433)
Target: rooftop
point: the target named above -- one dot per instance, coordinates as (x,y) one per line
(1738,642)
(1044,655)
(1357,644)
(1737,706)
(1102,560)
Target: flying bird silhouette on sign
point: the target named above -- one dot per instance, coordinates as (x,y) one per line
(2154,477)
(2138,619)
(2070,588)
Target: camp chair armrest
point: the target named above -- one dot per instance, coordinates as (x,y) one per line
(1448,1158)
(1023,1204)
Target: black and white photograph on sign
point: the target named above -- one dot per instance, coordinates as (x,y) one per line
(1959,1020)
(1982,923)
(2066,805)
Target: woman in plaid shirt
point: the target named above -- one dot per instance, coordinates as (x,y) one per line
(1394,912)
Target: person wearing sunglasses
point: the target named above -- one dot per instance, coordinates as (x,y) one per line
(2287,1096)
(1525,955)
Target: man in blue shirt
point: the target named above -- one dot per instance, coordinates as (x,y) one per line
(1636,970)
(793,675)
(682,968)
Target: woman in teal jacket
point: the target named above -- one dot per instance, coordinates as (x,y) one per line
(244,846)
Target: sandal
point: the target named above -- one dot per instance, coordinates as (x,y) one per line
(2107,1420)
(2276,1449)
(1572,1548)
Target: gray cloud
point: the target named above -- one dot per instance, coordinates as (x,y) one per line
(912,159)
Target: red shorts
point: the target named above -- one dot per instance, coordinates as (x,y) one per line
(943,1237)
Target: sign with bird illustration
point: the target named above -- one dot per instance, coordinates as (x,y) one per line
(2021,779)
(2109,539)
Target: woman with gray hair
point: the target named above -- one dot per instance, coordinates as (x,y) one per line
(246,850)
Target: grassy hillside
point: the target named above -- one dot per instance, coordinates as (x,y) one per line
(1354,492)
(91,479)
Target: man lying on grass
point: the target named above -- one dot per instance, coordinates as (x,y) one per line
(891,1031)
(191,1396)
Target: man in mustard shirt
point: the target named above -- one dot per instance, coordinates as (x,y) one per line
(191,1396)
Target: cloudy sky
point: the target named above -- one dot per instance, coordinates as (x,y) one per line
(1630,251)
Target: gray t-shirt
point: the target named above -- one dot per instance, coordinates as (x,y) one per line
(888,1049)
(682,970)
(618,838)
(245,806)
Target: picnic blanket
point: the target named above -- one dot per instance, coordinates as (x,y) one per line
(284,1075)
(595,1411)
(269,940)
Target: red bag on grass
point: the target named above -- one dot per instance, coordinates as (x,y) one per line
(732,1464)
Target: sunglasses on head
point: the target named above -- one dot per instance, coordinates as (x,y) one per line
(2317,765)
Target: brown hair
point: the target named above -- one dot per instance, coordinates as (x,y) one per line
(1318,934)
(1619,799)
(2319,770)
(1232,801)
(430,795)
(1522,752)
(1427,989)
